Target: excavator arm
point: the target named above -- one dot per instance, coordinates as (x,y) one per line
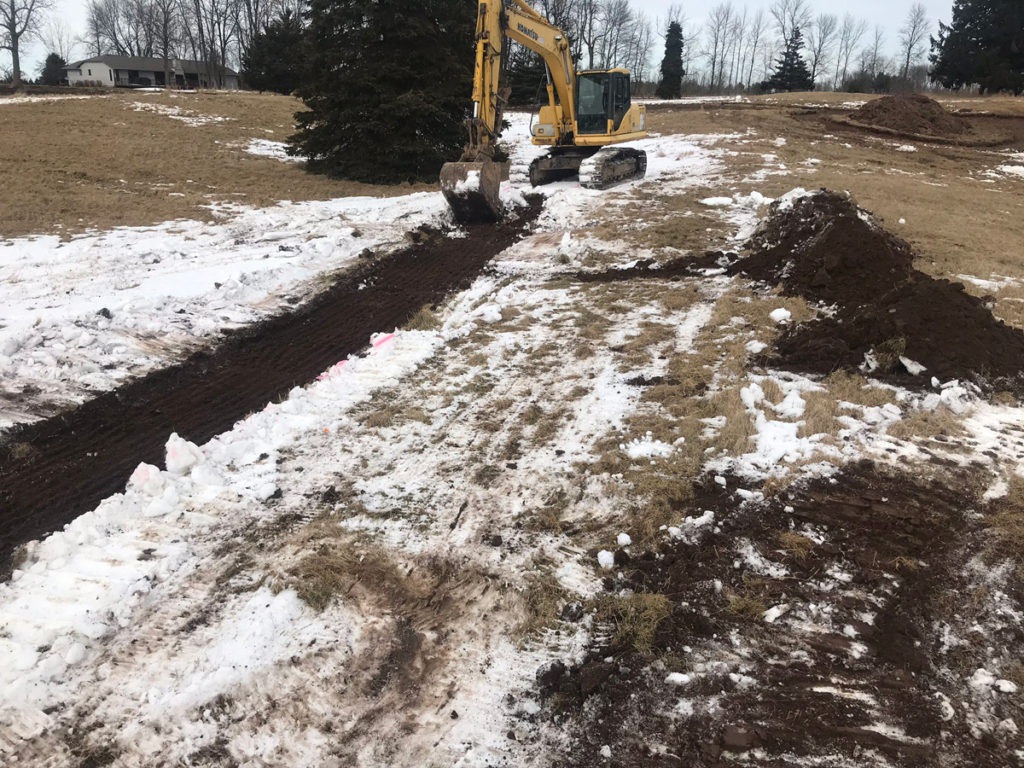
(471,185)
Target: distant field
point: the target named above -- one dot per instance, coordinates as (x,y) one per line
(136,158)
(962,214)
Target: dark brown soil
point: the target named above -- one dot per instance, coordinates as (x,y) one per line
(67,464)
(914,113)
(824,250)
(898,543)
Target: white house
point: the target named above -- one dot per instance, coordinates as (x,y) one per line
(128,71)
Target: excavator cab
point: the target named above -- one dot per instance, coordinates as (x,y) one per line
(602,101)
(605,112)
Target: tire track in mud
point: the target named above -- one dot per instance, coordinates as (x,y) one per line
(67,464)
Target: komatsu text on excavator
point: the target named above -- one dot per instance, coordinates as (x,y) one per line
(586,112)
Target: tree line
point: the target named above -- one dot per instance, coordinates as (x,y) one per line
(736,48)
(217,32)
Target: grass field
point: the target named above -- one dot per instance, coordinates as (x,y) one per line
(131,158)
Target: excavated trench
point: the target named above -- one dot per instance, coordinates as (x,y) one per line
(67,464)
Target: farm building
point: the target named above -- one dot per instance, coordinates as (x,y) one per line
(126,71)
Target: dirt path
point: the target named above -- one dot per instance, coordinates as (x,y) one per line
(54,470)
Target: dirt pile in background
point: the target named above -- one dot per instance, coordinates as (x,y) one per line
(915,113)
(805,627)
(888,317)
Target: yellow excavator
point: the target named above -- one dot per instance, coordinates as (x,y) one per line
(587,112)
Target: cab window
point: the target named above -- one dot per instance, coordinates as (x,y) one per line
(621,100)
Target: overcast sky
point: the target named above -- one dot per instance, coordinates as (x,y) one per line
(888,13)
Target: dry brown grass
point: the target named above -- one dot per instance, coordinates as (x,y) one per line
(746,607)
(820,412)
(542,598)
(321,576)
(1008,520)
(426,319)
(823,407)
(656,492)
(653,339)
(382,417)
(927,424)
(73,165)
(796,545)
(634,618)
(664,223)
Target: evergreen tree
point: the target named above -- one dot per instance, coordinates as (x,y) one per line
(276,59)
(389,88)
(791,72)
(53,70)
(527,80)
(983,44)
(670,86)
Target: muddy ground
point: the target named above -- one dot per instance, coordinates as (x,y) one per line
(52,471)
(868,567)
(819,612)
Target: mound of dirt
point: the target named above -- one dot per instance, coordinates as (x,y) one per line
(888,316)
(911,114)
(822,249)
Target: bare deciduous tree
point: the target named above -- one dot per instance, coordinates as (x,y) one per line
(912,37)
(872,59)
(58,38)
(850,34)
(717,29)
(820,40)
(122,27)
(167,28)
(790,15)
(20,20)
(755,41)
(737,33)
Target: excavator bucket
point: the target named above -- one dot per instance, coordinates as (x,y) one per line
(471,190)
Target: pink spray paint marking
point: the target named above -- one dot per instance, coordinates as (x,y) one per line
(338,366)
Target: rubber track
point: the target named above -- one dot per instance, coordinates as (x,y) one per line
(80,457)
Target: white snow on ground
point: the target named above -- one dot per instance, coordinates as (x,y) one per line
(81,585)
(166,622)
(698,100)
(188,116)
(822,105)
(84,315)
(96,612)
(994,283)
(12,100)
(273,149)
